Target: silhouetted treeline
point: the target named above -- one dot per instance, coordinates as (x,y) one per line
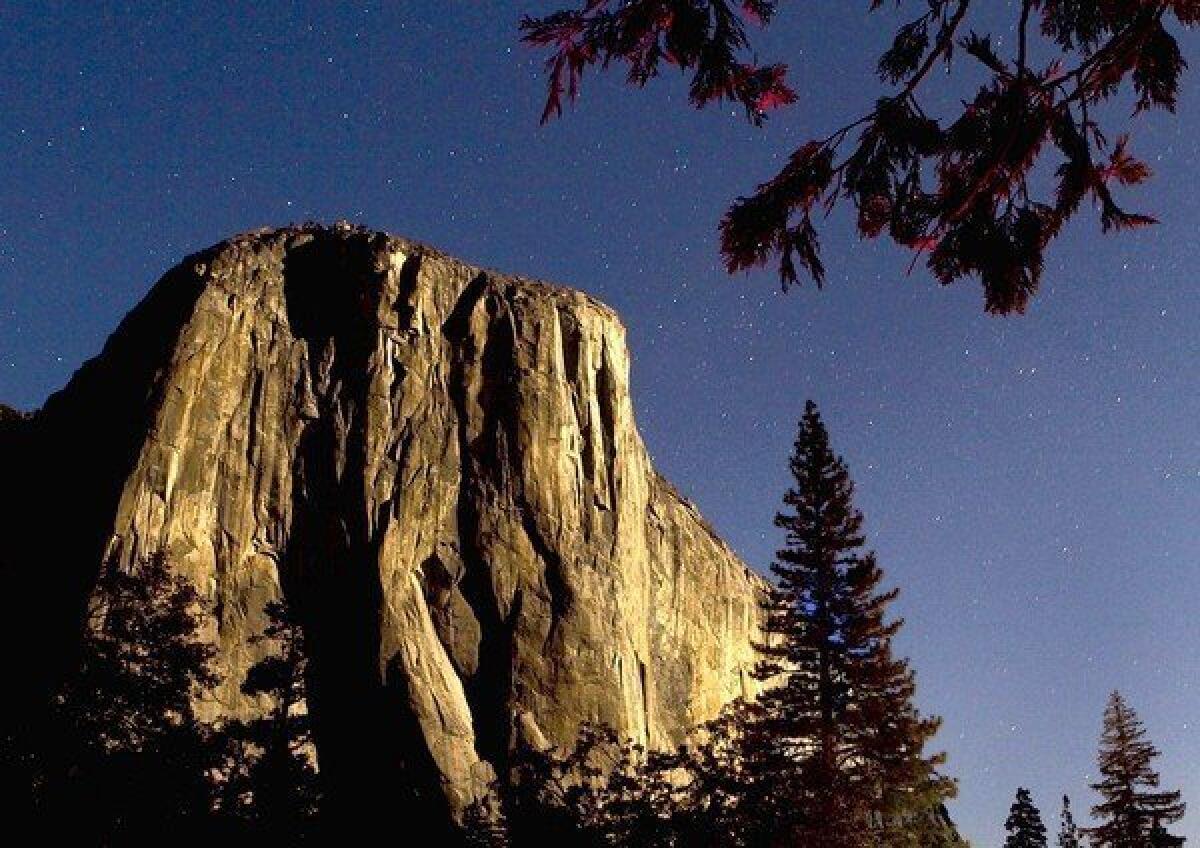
(119,754)
(1133,810)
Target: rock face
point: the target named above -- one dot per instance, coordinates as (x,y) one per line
(437,465)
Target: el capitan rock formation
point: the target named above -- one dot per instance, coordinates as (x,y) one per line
(437,465)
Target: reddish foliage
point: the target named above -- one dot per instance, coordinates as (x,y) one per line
(704,38)
(959,190)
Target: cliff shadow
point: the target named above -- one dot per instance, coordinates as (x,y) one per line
(489,689)
(64,470)
(371,761)
(487,458)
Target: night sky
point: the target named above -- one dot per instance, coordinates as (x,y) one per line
(1031,483)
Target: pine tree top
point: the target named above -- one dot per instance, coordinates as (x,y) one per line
(1132,804)
(819,514)
(1024,825)
(1069,834)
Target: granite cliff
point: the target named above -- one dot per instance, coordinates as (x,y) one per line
(437,465)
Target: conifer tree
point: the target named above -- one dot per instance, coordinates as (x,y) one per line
(835,738)
(1024,825)
(274,783)
(123,753)
(1131,802)
(830,755)
(1069,835)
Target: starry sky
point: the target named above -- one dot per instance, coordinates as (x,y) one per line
(1031,483)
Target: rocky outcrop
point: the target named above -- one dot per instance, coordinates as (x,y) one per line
(437,465)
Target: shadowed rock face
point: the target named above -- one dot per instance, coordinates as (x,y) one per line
(436,465)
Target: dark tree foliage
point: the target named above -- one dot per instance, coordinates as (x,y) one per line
(1131,803)
(272,782)
(121,754)
(601,792)
(1024,825)
(837,728)
(743,781)
(707,39)
(1160,838)
(962,190)
(1069,834)
(549,797)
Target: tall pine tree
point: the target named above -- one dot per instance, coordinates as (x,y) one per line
(1131,802)
(836,735)
(1024,825)
(1069,835)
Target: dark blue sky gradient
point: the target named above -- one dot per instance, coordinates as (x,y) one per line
(1032,483)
